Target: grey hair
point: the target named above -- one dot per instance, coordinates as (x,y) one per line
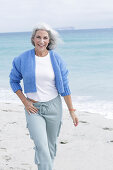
(53,35)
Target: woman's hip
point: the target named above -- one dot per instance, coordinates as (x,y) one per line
(51,109)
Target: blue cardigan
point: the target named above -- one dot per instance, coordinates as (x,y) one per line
(24,68)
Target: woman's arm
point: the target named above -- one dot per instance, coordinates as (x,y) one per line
(15,78)
(28,104)
(68,101)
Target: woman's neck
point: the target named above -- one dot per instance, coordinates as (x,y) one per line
(41,53)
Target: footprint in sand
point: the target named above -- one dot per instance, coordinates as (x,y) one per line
(7,158)
(7,110)
(106,128)
(81,121)
(12,122)
(110,141)
(24,164)
(3,149)
(63,141)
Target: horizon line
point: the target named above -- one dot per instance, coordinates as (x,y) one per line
(63,29)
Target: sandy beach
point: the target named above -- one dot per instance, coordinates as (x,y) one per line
(89,146)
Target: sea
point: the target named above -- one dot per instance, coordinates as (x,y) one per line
(88,55)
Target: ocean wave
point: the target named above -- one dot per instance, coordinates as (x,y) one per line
(92,105)
(81,103)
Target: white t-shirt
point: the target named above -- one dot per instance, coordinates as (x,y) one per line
(45,80)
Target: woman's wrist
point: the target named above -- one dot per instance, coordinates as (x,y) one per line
(24,101)
(72,109)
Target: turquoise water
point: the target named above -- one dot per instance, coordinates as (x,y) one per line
(89,58)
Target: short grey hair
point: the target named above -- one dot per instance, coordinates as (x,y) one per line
(53,35)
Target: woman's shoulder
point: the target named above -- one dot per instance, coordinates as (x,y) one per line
(23,55)
(26,53)
(56,54)
(58,57)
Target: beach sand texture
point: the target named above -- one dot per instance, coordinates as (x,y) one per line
(89,146)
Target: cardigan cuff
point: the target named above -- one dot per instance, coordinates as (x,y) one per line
(66,91)
(15,87)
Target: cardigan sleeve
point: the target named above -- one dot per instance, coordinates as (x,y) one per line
(65,72)
(15,75)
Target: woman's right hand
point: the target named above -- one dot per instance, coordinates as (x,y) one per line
(29,107)
(27,103)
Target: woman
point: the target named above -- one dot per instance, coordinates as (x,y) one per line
(44,76)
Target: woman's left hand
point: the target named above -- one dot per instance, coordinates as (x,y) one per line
(74,118)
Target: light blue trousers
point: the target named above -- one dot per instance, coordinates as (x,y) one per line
(44,128)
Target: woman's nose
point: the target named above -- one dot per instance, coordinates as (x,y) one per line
(41,40)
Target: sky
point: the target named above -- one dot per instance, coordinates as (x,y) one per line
(23,15)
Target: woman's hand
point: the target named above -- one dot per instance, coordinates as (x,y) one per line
(29,107)
(27,103)
(74,118)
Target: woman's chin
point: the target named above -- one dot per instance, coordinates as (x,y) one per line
(41,49)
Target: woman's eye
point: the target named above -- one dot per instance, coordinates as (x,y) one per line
(45,37)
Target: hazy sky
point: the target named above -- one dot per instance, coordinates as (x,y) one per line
(22,15)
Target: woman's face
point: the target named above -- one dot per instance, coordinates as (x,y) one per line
(41,40)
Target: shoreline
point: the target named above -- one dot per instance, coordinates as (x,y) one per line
(89,104)
(87,146)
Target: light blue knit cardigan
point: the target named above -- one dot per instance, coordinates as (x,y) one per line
(24,68)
